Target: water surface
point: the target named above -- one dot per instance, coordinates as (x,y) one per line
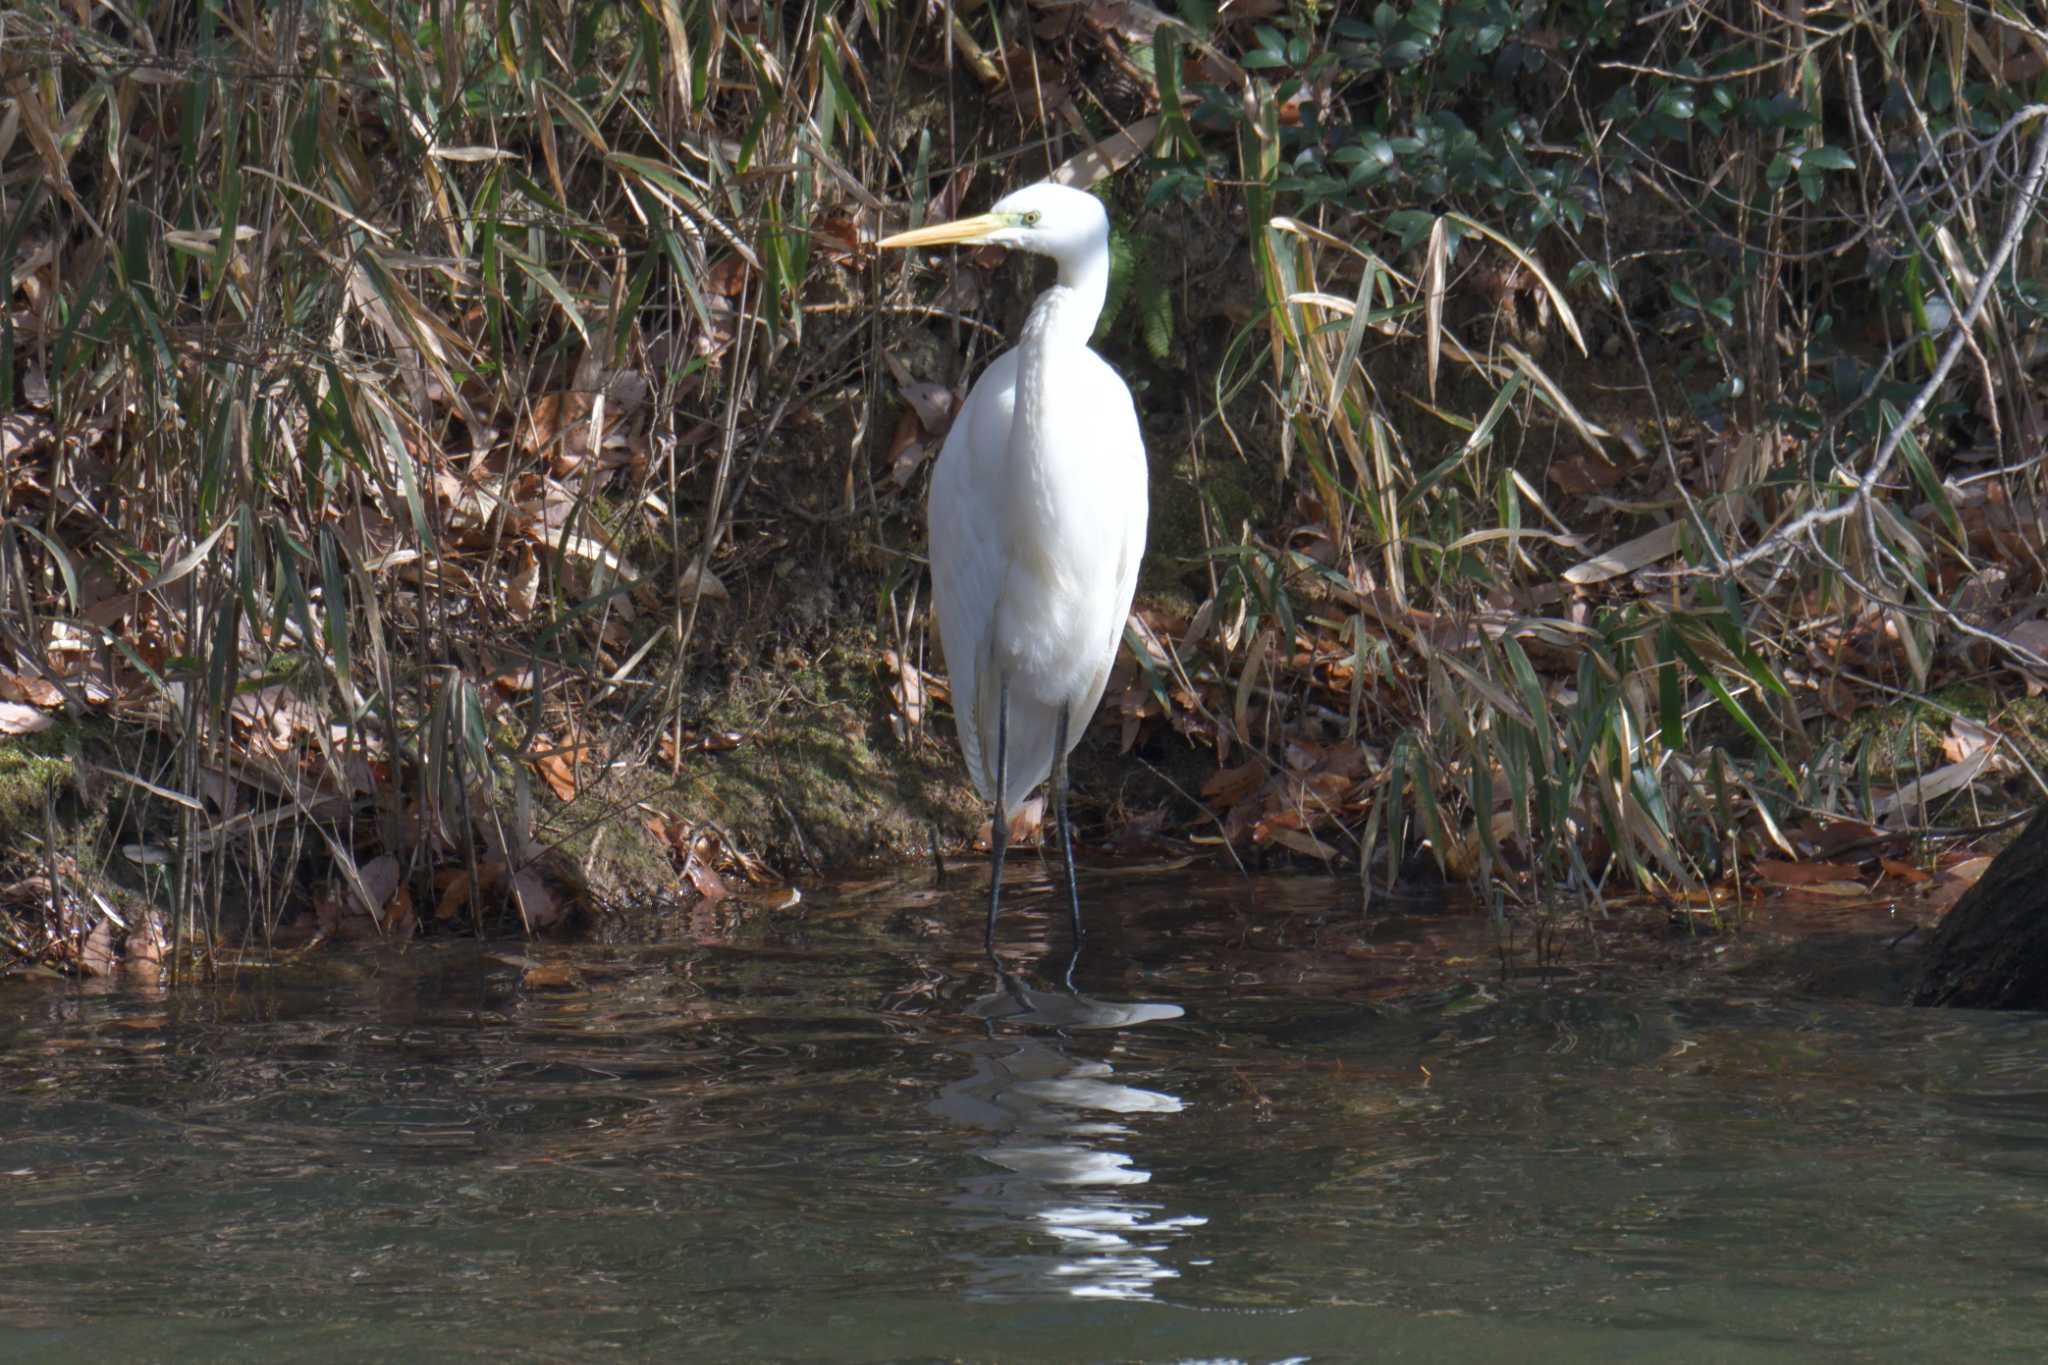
(1255,1129)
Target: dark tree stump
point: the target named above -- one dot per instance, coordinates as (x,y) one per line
(1991,951)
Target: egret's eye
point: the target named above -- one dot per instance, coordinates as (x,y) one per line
(1031,218)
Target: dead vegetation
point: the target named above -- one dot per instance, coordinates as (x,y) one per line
(434,441)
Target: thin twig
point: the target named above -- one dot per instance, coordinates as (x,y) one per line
(1802,526)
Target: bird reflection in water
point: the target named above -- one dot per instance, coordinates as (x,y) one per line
(1058,1122)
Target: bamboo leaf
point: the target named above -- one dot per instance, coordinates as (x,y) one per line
(554,288)
(1931,486)
(1435,273)
(1557,296)
(1735,709)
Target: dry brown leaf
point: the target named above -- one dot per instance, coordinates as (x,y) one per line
(1826,890)
(2031,635)
(28,689)
(1804,874)
(554,415)
(946,204)
(551,976)
(1977,595)
(1025,826)
(274,716)
(1583,474)
(30,893)
(16,719)
(340,912)
(933,404)
(697,580)
(558,771)
(380,878)
(327,907)
(1300,841)
(1228,786)
(1952,881)
(1102,159)
(1964,738)
(1628,556)
(147,942)
(538,904)
(1967,868)
(21,433)
(907,690)
(771,898)
(399,920)
(1912,799)
(96,954)
(43,136)
(727,276)
(909,448)
(838,237)
(1904,871)
(705,881)
(453,886)
(1836,835)
(715,742)
(522,585)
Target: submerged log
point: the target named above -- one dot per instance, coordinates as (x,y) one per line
(1991,951)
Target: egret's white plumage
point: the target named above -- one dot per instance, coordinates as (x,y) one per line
(1037,510)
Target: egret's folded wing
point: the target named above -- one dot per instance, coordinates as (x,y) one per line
(967,554)
(1127,485)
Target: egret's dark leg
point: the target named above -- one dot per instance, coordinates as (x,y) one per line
(999,826)
(1059,778)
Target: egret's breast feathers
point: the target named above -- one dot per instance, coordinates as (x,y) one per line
(1076,471)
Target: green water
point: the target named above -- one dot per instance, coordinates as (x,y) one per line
(834,1133)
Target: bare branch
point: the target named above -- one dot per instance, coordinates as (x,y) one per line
(1802,526)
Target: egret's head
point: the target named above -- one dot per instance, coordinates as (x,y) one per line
(1051,220)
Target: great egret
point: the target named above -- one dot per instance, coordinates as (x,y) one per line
(1037,517)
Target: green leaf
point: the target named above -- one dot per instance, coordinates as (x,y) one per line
(545,278)
(1123,267)
(1922,469)
(847,105)
(1735,709)
(1155,314)
(1412,225)
(1676,104)
(408,477)
(58,556)
(1670,698)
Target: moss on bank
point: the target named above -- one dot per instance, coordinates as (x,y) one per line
(819,779)
(30,767)
(1903,739)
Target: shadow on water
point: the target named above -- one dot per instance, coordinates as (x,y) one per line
(1241,1126)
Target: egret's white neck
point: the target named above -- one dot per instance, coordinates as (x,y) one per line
(1065,315)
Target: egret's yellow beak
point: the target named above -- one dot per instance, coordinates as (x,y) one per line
(944,234)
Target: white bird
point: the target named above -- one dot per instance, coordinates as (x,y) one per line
(1037,516)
